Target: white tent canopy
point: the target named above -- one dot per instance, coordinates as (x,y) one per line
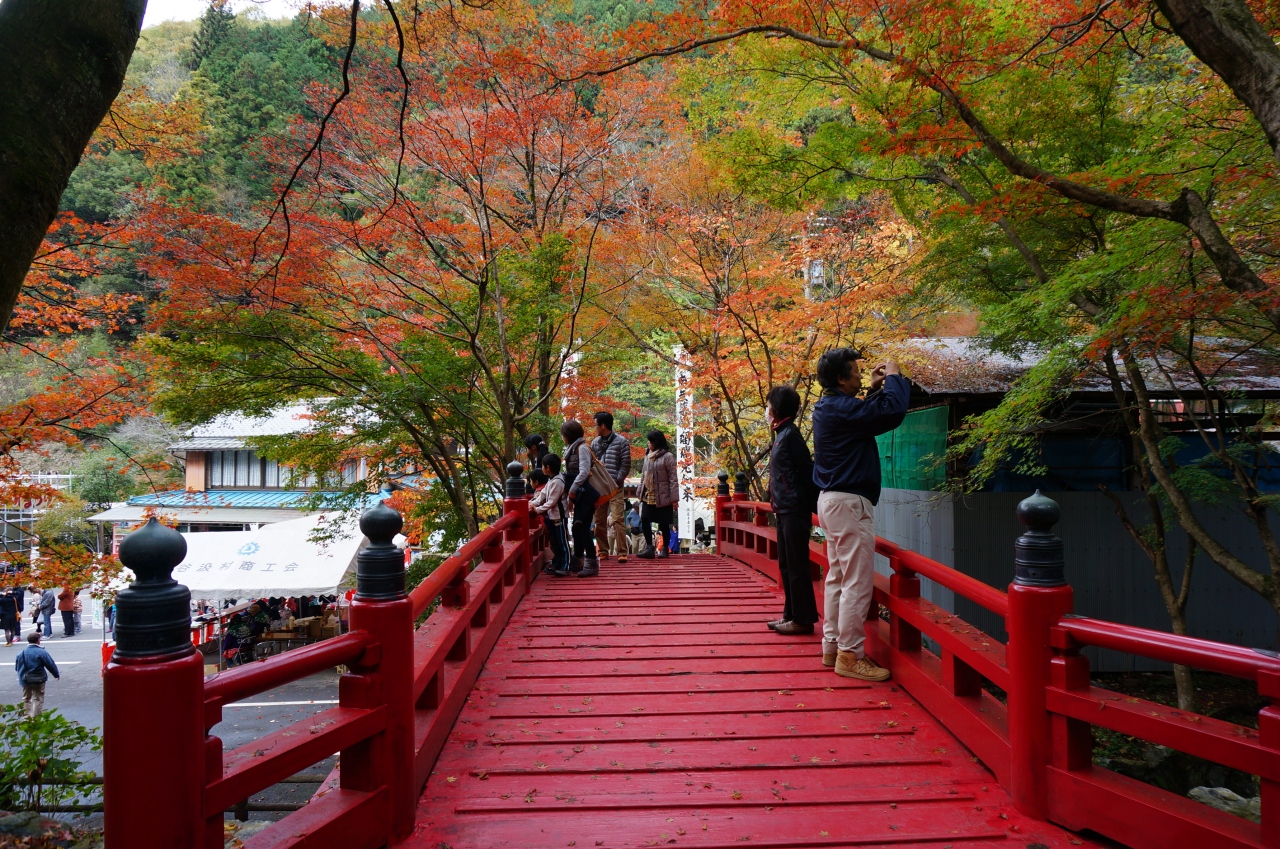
(275,560)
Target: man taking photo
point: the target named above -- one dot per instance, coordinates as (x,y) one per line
(846,471)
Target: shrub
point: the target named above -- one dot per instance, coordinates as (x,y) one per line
(35,751)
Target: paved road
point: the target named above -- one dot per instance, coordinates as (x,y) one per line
(78,696)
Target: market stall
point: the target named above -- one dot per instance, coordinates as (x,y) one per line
(303,558)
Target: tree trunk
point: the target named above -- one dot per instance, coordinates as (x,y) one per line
(1156,545)
(62,63)
(1226,36)
(1178,614)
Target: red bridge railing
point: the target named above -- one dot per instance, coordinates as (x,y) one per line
(167,780)
(1039,740)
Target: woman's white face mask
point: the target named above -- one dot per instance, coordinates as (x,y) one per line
(768,415)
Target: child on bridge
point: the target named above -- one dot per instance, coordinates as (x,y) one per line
(548,499)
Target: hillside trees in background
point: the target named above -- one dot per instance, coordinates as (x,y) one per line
(69,376)
(433,275)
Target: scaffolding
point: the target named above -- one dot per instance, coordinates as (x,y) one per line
(18,520)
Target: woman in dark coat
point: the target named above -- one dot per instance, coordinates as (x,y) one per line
(792,495)
(9,616)
(659,494)
(577,471)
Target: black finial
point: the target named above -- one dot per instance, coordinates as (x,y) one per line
(380,565)
(153,614)
(740,483)
(1037,558)
(515,487)
(723,488)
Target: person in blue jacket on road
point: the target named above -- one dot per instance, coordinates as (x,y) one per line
(33,665)
(846,472)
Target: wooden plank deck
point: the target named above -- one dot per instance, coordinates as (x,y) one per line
(651,707)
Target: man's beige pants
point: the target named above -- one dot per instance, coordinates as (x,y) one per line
(33,697)
(849,524)
(609,516)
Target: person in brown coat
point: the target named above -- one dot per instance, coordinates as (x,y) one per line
(659,494)
(67,607)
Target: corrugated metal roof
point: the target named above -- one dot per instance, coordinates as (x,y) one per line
(962,365)
(209,443)
(231,430)
(220,515)
(290,418)
(260,498)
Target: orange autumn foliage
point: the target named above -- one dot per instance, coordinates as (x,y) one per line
(755,295)
(75,386)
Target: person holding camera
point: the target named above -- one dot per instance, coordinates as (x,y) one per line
(846,471)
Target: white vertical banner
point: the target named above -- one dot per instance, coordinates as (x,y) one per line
(685,458)
(569,380)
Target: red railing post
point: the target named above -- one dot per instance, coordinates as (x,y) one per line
(1069,670)
(385,676)
(722,512)
(760,519)
(517,501)
(739,514)
(903,583)
(1038,597)
(1269,736)
(153,704)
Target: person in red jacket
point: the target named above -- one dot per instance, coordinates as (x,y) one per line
(67,607)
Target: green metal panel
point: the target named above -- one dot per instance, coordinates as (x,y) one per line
(909,455)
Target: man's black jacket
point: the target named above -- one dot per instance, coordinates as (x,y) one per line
(791,487)
(845,428)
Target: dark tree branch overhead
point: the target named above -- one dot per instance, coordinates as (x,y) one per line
(62,63)
(1225,35)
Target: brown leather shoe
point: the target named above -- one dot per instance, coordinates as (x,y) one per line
(773,624)
(849,665)
(622,558)
(829,659)
(793,628)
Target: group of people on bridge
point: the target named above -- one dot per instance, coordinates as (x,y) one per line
(585,488)
(840,480)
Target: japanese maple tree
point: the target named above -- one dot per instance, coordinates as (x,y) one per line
(430,270)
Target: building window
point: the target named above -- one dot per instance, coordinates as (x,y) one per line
(242,470)
(246,470)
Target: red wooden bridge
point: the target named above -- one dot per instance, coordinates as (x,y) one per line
(651,707)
